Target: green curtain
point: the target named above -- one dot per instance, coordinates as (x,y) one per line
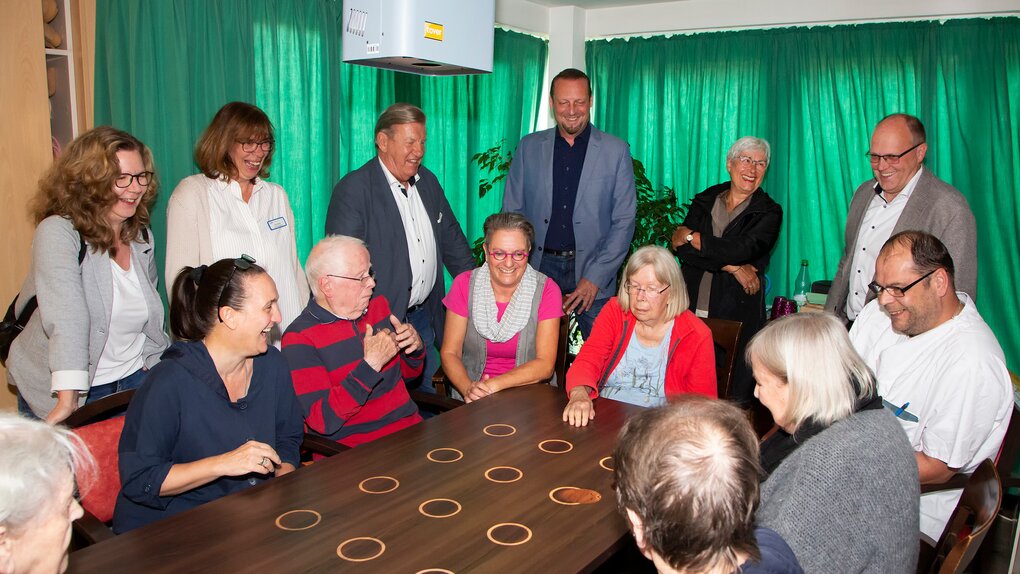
(469,114)
(163,68)
(815,94)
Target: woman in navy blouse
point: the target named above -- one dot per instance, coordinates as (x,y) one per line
(218,413)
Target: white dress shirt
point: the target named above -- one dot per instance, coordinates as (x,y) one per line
(876,228)
(259,228)
(421,242)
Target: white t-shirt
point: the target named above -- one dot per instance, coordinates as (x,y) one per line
(258,228)
(955,380)
(421,242)
(876,228)
(122,354)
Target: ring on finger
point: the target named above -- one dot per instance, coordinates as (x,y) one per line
(262,463)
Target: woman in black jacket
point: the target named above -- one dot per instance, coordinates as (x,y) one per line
(724,245)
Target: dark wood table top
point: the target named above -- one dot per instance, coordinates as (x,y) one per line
(331,514)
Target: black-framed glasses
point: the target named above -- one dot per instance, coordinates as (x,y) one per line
(500,255)
(891,159)
(124,180)
(371,275)
(649,293)
(898,291)
(748,162)
(250,146)
(244,262)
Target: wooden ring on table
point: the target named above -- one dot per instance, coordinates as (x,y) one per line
(432,455)
(488,533)
(340,549)
(491,430)
(279,519)
(362,488)
(421,508)
(579,496)
(520,474)
(604,463)
(543,446)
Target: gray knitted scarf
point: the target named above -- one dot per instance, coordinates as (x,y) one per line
(483,305)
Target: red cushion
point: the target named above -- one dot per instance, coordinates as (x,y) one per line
(102,438)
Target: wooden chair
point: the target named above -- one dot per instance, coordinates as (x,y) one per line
(444,387)
(100,431)
(968,524)
(725,334)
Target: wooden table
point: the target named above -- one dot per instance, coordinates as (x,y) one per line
(331,514)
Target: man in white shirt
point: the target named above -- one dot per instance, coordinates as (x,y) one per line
(397,207)
(903,195)
(939,367)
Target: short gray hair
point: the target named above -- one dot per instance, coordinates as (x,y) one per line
(325,252)
(666,269)
(812,353)
(399,113)
(34,459)
(747,143)
(508,221)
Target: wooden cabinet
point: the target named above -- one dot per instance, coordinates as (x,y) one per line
(63,70)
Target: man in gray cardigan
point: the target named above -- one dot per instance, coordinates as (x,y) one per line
(902,196)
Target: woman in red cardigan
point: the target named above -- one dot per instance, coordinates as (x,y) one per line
(645,346)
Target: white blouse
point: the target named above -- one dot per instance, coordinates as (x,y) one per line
(122,355)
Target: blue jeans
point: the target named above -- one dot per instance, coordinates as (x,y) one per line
(422,322)
(132,381)
(561,270)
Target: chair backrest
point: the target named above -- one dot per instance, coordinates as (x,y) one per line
(970,522)
(724,334)
(562,361)
(1009,451)
(102,439)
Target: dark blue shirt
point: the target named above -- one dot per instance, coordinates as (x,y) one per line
(182,414)
(776,555)
(568,161)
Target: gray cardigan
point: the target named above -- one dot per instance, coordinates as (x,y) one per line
(847,499)
(935,207)
(68,331)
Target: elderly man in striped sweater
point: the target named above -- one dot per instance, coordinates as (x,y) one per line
(349,355)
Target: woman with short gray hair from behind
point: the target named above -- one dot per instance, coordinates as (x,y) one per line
(38,468)
(842,487)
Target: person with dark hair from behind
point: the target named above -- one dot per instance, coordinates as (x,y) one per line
(687,484)
(218,414)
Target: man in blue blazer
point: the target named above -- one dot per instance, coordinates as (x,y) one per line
(397,207)
(575,183)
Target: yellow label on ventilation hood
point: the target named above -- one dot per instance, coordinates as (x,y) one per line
(434,31)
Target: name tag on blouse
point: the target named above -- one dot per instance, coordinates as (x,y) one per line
(278,223)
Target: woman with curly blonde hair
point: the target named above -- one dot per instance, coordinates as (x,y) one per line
(99,323)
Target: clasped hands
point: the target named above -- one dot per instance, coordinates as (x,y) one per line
(381,346)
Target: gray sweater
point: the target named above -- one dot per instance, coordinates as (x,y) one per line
(847,499)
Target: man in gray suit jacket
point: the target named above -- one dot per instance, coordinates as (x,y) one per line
(397,207)
(902,196)
(575,184)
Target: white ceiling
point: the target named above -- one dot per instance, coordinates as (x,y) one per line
(588,4)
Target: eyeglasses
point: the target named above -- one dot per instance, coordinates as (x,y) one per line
(371,275)
(265,145)
(244,262)
(648,292)
(499,254)
(748,162)
(898,291)
(124,180)
(891,159)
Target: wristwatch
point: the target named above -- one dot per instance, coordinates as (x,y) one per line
(689,238)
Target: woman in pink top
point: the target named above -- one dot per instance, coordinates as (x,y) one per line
(502,319)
